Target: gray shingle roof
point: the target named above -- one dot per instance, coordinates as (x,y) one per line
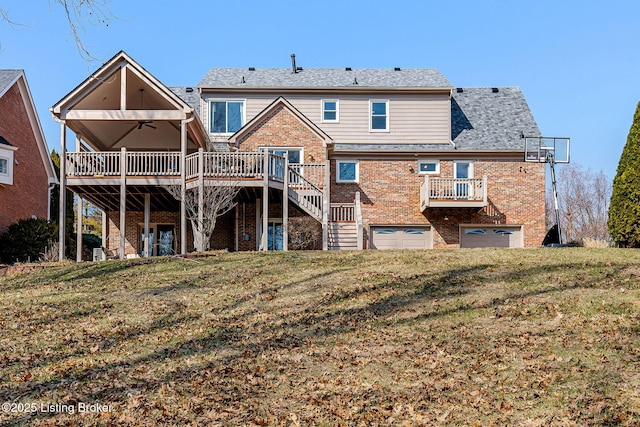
(191,98)
(481,120)
(485,119)
(6,77)
(3,141)
(325,78)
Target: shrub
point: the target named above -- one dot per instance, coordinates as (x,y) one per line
(304,233)
(26,240)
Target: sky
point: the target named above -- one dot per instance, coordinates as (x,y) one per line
(576,62)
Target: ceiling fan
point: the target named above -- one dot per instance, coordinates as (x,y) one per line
(146,123)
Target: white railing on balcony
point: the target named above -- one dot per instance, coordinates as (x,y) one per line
(153,163)
(93,164)
(453,190)
(343,212)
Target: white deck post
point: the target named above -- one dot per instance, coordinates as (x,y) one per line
(104,229)
(285,205)
(123,199)
(201,195)
(183,190)
(63,191)
(78,214)
(265,203)
(326,203)
(147,215)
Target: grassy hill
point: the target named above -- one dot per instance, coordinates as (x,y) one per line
(462,337)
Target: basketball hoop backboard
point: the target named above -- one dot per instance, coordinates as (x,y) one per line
(545,150)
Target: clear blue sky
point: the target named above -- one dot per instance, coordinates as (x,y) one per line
(576,62)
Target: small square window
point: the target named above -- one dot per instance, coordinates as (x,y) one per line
(428,167)
(347,171)
(330,110)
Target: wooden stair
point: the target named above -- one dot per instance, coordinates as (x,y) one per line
(343,236)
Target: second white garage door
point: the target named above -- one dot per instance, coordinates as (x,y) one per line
(400,237)
(491,237)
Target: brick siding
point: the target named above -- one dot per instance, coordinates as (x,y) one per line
(29,195)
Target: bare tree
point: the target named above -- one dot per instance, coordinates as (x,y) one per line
(78,13)
(216,201)
(583,200)
(304,233)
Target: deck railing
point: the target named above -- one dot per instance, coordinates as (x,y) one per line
(236,165)
(453,189)
(93,164)
(343,212)
(153,163)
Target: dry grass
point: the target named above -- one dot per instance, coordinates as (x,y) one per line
(468,337)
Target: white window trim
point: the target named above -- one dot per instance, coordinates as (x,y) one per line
(322,110)
(371,102)
(436,172)
(8,155)
(243,112)
(471,168)
(349,181)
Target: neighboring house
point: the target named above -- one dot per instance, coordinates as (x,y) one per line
(26,171)
(379,158)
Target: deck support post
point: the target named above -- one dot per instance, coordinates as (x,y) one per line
(183,189)
(201,196)
(326,203)
(123,199)
(79,212)
(265,203)
(63,191)
(147,215)
(285,205)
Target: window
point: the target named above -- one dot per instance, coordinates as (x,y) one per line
(294,154)
(428,167)
(330,110)
(226,116)
(347,171)
(379,120)
(475,231)
(6,167)
(463,169)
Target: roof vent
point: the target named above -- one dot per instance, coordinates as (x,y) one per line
(396,69)
(189,89)
(347,69)
(243,80)
(355,81)
(459,90)
(294,69)
(494,90)
(252,68)
(298,69)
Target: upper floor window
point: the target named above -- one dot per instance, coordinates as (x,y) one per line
(4,166)
(379,119)
(330,110)
(226,116)
(428,167)
(293,154)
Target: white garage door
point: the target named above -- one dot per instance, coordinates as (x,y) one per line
(400,237)
(491,237)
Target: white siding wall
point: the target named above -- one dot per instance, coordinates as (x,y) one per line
(412,118)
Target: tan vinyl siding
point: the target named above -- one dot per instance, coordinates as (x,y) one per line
(412,118)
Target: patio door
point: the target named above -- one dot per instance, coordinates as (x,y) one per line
(462,170)
(275,236)
(161,240)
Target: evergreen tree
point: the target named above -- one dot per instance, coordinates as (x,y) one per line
(624,210)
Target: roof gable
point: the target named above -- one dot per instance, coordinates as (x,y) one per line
(8,79)
(280,102)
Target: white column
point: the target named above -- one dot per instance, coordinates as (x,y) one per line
(285,206)
(147,214)
(104,229)
(79,212)
(201,195)
(265,203)
(63,190)
(123,199)
(183,190)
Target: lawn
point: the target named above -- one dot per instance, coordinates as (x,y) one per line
(546,337)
